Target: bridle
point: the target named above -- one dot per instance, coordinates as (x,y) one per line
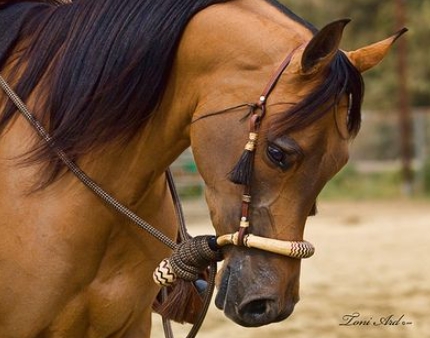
(242,175)
(193,255)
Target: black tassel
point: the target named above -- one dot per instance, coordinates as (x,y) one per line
(242,172)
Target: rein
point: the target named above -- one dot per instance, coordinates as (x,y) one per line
(192,255)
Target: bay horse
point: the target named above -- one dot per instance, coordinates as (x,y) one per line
(123,87)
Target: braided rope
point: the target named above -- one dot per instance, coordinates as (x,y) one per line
(189,260)
(193,256)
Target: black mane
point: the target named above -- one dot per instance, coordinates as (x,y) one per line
(342,79)
(111,67)
(108,62)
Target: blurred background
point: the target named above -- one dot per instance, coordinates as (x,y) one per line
(393,147)
(372,230)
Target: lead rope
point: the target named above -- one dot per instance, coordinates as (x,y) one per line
(101,193)
(210,288)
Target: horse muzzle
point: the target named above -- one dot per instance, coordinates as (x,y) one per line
(252,295)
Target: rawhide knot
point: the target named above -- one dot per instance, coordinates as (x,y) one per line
(188,260)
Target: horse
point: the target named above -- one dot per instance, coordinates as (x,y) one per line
(123,88)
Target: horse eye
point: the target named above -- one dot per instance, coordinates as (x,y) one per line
(278,156)
(275,154)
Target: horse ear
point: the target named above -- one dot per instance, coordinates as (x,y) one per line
(369,56)
(323,47)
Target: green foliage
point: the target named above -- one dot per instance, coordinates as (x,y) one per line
(352,184)
(374,20)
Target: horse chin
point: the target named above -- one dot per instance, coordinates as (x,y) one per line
(251,310)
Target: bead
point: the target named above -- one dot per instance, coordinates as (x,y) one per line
(253,136)
(244,223)
(250,146)
(246,198)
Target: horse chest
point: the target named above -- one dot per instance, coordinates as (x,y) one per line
(64,299)
(105,308)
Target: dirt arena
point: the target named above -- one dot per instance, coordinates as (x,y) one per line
(371,266)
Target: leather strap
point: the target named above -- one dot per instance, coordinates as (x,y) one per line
(275,77)
(254,128)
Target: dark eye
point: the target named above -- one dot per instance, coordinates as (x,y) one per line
(278,157)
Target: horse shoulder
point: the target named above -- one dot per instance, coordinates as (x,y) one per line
(83,268)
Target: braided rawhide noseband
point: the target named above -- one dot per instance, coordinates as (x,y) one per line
(188,261)
(193,256)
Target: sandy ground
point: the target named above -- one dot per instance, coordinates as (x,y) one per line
(372,260)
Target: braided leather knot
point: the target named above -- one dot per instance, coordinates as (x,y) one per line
(188,260)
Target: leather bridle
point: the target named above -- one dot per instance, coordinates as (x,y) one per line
(257,113)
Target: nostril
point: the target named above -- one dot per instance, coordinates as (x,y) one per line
(257,312)
(256,309)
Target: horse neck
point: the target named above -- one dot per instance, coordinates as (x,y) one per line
(133,169)
(238,45)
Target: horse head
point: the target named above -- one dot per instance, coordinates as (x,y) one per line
(312,113)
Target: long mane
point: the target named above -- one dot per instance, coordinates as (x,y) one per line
(105,65)
(108,63)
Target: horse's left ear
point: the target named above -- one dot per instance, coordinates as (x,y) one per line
(369,56)
(323,47)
